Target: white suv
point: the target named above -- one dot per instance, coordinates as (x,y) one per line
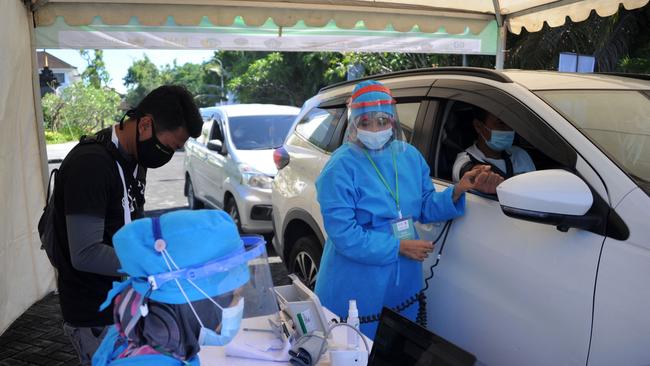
(231,165)
(552,271)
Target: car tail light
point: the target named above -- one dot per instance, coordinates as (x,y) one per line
(280,157)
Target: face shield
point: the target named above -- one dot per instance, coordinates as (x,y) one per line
(373,122)
(237,285)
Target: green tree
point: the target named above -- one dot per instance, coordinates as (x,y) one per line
(609,40)
(278,77)
(199,79)
(80,109)
(95,73)
(141,78)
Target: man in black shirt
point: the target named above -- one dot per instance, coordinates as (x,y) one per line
(100,188)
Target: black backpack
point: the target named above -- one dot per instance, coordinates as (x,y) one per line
(47,226)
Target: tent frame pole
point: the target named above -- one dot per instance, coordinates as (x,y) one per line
(38,109)
(502,34)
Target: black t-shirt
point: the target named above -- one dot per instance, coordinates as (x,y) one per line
(89,183)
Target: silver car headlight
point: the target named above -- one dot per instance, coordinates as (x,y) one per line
(253,178)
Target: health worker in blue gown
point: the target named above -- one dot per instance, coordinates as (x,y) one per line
(371,192)
(190,274)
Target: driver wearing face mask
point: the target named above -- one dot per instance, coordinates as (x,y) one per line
(493,147)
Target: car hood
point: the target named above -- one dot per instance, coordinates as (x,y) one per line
(260,160)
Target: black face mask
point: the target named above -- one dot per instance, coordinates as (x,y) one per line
(151,153)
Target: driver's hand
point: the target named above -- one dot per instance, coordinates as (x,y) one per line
(480,178)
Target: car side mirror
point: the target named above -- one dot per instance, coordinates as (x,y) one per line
(216,145)
(553,197)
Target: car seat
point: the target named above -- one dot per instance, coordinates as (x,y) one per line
(457,134)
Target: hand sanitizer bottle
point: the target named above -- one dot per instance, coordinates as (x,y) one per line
(353,320)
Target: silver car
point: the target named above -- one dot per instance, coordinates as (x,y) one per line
(230,165)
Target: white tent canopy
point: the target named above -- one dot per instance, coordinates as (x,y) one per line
(404,15)
(25,273)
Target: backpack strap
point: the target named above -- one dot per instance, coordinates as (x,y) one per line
(53,173)
(128,180)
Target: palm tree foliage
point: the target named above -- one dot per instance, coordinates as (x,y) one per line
(611,40)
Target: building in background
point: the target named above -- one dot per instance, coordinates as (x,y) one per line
(64,73)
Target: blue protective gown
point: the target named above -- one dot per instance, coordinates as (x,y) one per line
(361,258)
(107,352)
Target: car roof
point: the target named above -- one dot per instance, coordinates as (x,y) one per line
(236,110)
(533,80)
(553,80)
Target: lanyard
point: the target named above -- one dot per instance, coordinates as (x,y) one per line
(125,199)
(383,180)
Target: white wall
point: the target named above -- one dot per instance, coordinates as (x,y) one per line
(25,273)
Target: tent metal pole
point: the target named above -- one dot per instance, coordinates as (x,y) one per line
(501,36)
(38,109)
(501,47)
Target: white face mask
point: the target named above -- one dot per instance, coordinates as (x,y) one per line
(374,140)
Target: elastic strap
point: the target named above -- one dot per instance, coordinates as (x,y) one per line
(373,103)
(372,88)
(157,231)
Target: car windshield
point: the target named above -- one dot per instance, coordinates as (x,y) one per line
(618,121)
(259,132)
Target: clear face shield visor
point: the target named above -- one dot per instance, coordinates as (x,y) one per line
(374,125)
(243,284)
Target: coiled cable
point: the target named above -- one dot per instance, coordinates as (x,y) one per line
(419,297)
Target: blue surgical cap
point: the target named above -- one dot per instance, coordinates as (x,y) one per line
(192,238)
(364,101)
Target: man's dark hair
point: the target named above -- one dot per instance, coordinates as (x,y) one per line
(172,106)
(480,114)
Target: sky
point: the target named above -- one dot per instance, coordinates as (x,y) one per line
(118,61)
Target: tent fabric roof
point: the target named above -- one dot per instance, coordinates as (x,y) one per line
(402,15)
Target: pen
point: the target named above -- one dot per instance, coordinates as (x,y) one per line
(258,330)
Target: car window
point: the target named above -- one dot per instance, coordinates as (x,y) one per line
(408,113)
(615,120)
(457,134)
(216,133)
(318,125)
(259,132)
(206,115)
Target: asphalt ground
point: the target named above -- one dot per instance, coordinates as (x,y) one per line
(36,337)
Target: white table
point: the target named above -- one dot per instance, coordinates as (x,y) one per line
(216,356)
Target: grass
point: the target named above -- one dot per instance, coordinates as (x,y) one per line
(65,134)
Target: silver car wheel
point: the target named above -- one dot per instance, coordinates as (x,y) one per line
(306,269)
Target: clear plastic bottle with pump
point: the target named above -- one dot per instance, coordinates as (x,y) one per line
(353,320)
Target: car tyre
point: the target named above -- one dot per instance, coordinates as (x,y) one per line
(304,259)
(192,202)
(232,210)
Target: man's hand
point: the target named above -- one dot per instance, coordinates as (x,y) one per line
(415,249)
(480,178)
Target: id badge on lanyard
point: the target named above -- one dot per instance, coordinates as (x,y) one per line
(403,228)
